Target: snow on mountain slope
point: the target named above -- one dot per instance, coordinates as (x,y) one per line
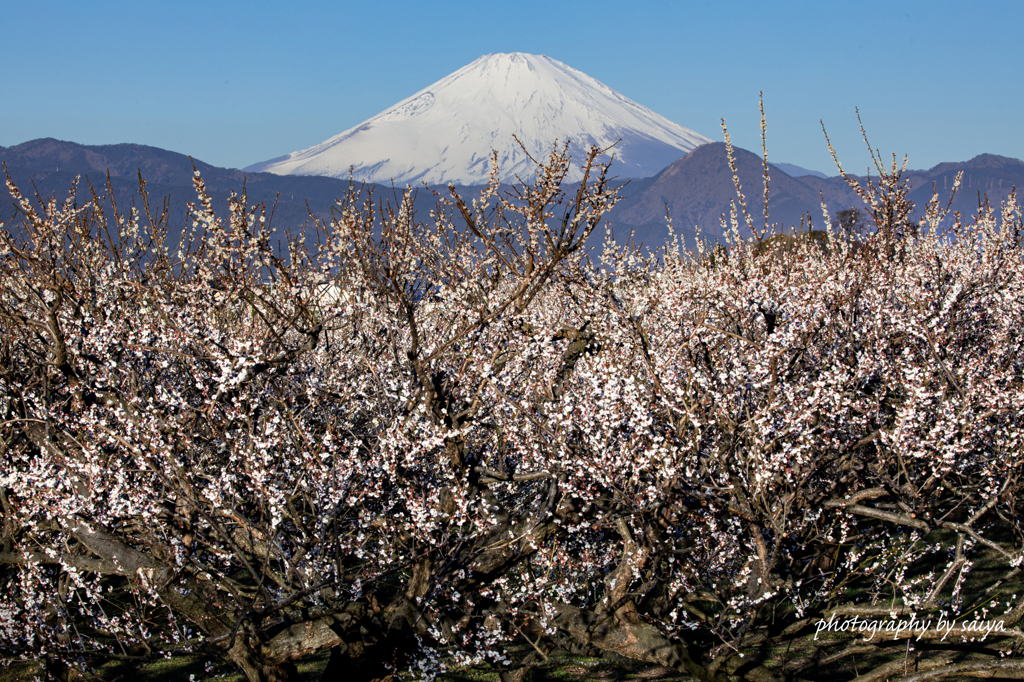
(445,132)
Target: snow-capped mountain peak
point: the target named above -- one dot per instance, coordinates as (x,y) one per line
(445,132)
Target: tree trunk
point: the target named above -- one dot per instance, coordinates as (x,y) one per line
(257,668)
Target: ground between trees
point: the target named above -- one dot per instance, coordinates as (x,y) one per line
(451,442)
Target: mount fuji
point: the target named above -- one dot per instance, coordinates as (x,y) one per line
(445,132)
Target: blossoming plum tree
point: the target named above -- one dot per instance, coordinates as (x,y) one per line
(426,444)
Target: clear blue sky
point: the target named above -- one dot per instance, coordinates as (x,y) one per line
(233,83)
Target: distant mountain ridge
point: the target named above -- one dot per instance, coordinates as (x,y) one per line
(697,188)
(156,165)
(796,171)
(52,164)
(445,132)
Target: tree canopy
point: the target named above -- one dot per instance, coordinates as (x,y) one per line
(427,443)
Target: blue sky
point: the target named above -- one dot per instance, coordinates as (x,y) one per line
(233,83)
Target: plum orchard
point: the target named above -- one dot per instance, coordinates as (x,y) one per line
(456,442)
